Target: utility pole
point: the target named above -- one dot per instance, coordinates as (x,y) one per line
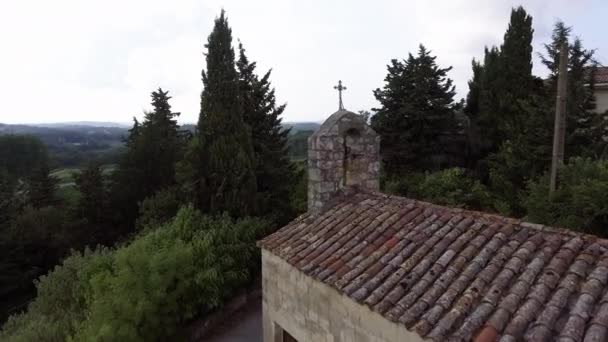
(559,129)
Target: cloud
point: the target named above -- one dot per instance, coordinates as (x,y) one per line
(99,60)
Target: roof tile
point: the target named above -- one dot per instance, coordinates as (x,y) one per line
(452,274)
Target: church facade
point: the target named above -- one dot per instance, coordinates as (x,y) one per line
(365,266)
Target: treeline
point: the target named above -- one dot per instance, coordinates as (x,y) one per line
(230,181)
(492,151)
(75,145)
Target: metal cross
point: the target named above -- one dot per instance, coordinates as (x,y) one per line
(340,88)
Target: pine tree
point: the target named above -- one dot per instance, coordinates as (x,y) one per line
(583,130)
(416,107)
(219,167)
(153,148)
(274,172)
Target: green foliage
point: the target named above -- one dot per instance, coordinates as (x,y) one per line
(41,187)
(526,156)
(93,200)
(416,107)
(501,85)
(159,208)
(143,290)
(274,172)
(8,185)
(450,187)
(61,302)
(153,148)
(472,101)
(219,170)
(580,201)
(20,155)
(33,242)
(584,128)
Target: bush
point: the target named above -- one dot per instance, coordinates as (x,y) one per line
(450,187)
(158,208)
(580,201)
(145,289)
(61,302)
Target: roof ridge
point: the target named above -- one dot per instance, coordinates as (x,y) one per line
(350,193)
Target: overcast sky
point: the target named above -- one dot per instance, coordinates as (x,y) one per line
(99,60)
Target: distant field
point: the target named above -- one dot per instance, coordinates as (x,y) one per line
(66,175)
(66,185)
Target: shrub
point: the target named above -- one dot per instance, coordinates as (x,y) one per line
(158,208)
(580,201)
(450,187)
(454,188)
(145,289)
(60,304)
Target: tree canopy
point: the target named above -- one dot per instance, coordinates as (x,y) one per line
(416,106)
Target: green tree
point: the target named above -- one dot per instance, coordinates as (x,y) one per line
(153,148)
(159,208)
(486,118)
(7,194)
(20,155)
(146,289)
(472,102)
(416,107)
(93,200)
(274,172)
(500,86)
(579,203)
(219,168)
(41,187)
(583,131)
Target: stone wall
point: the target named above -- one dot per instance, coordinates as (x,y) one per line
(344,152)
(312,311)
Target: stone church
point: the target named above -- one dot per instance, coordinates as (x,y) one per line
(364,266)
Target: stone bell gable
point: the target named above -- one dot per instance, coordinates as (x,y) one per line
(343,153)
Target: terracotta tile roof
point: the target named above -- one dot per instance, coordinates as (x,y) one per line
(601,75)
(450,274)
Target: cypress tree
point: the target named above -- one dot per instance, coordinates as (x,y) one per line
(274,172)
(501,86)
(472,102)
(416,108)
(220,166)
(471,109)
(487,117)
(515,82)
